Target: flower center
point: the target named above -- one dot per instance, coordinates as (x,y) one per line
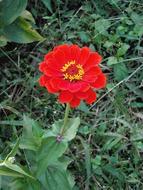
(72,71)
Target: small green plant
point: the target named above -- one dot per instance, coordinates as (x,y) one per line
(16,23)
(65,71)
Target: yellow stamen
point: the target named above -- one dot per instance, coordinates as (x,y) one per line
(67,65)
(76,76)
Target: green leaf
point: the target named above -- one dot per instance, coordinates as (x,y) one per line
(28,16)
(63,162)
(4,171)
(120,71)
(84,130)
(13,151)
(83,107)
(114,172)
(21,31)
(49,151)
(97,160)
(31,127)
(71,128)
(9,169)
(138,29)
(10,10)
(29,143)
(61,166)
(108,44)
(102,25)
(48,4)
(3,41)
(138,19)
(84,36)
(111,143)
(112,61)
(25,183)
(122,50)
(32,134)
(55,179)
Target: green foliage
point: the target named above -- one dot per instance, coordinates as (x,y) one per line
(71,128)
(16,23)
(120,71)
(10,10)
(55,178)
(47,3)
(49,151)
(9,169)
(20,31)
(48,165)
(122,50)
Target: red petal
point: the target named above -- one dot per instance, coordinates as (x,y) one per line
(65,49)
(51,73)
(43,80)
(92,74)
(84,86)
(51,64)
(50,88)
(63,84)
(91,97)
(83,55)
(100,81)
(74,86)
(65,97)
(81,95)
(75,102)
(54,82)
(42,66)
(75,52)
(60,57)
(93,60)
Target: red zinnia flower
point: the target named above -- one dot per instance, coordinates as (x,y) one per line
(73,73)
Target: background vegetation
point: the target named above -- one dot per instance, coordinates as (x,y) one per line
(107,152)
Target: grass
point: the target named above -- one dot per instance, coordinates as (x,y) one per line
(107,152)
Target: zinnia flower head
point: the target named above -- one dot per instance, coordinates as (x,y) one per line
(73,73)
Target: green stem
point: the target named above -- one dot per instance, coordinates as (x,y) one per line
(63,128)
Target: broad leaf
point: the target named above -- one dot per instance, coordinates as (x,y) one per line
(112,61)
(120,71)
(101,26)
(55,179)
(84,37)
(28,16)
(10,10)
(29,143)
(48,153)
(32,134)
(31,127)
(21,31)
(70,131)
(25,183)
(63,162)
(9,169)
(122,50)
